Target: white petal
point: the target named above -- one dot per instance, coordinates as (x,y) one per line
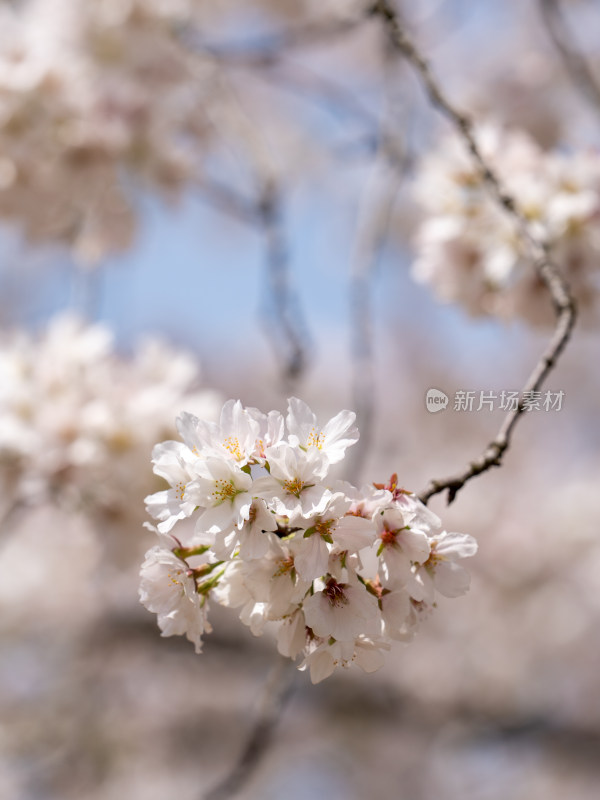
(451,579)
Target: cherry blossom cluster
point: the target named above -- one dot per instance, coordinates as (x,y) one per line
(467,248)
(102,99)
(96,98)
(78,420)
(341,572)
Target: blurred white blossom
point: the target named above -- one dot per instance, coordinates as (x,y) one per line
(78,420)
(467,248)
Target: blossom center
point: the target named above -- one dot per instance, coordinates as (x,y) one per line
(388,537)
(179,489)
(434,559)
(232,443)
(334,592)
(323,527)
(315,439)
(294,486)
(285,566)
(175,578)
(224,490)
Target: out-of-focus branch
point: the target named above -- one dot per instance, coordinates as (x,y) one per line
(376,209)
(87,290)
(308,84)
(290,338)
(577,67)
(264,49)
(538,252)
(264,212)
(282,303)
(276,68)
(276,694)
(229,201)
(390,166)
(10,517)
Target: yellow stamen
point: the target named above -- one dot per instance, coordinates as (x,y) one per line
(315,439)
(294,486)
(224,490)
(232,443)
(323,527)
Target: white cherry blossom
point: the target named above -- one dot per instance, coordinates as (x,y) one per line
(440,572)
(221,488)
(332,440)
(399,547)
(342,611)
(294,485)
(329,530)
(340,572)
(168,589)
(250,541)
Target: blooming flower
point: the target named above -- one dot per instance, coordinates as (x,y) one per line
(440,571)
(341,611)
(400,546)
(333,440)
(168,590)
(221,488)
(294,485)
(341,572)
(329,529)
(250,539)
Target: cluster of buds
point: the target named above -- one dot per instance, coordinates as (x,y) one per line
(341,572)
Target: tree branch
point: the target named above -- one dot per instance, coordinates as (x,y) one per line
(269,48)
(229,201)
(277,693)
(537,250)
(284,305)
(389,168)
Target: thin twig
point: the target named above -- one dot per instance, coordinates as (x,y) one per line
(264,49)
(276,695)
(377,205)
(266,213)
(577,67)
(229,201)
(375,215)
(538,251)
(276,68)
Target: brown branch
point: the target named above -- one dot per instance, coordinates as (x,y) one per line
(277,693)
(574,62)
(537,250)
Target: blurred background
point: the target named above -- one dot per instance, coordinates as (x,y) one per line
(202,200)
